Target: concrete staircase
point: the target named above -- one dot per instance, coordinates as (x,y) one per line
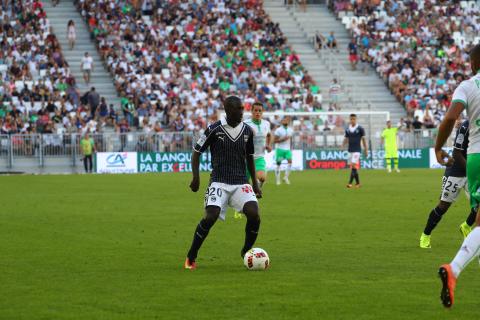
(300,27)
(100,78)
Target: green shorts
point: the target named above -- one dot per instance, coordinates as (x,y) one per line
(260,165)
(473,178)
(282,154)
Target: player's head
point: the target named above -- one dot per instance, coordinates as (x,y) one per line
(234,110)
(353,119)
(257,111)
(389,124)
(285,121)
(475,59)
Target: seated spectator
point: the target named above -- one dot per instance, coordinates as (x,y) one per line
(331,41)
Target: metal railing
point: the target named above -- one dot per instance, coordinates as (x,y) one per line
(42,148)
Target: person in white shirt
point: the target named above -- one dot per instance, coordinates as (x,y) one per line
(261,140)
(283,139)
(87,67)
(71,34)
(466,97)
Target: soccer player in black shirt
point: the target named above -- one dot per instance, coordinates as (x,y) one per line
(231,146)
(454,179)
(355,137)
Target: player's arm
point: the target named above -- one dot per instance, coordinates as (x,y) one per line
(250,150)
(268,146)
(195,184)
(278,139)
(365,148)
(444,132)
(202,144)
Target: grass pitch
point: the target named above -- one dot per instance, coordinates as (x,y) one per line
(113,246)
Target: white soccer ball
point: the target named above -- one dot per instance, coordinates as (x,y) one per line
(256,259)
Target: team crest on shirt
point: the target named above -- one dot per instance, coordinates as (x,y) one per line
(220,135)
(245,137)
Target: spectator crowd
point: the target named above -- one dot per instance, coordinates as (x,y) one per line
(173,62)
(419,48)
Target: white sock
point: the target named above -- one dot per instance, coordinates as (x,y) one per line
(289,168)
(470,249)
(277,172)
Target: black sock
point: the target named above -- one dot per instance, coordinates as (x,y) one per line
(433,219)
(357,178)
(251,233)
(201,232)
(471,217)
(352,176)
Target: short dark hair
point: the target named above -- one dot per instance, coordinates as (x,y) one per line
(475,53)
(353,115)
(231,102)
(257,104)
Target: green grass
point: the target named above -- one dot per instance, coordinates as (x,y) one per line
(112,247)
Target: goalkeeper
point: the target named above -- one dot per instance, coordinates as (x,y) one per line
(389,140)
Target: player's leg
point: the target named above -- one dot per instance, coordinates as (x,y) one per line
(466,226)
(356,175)
(278,159)
(356,168)
(288,156)
(433,219)
(448,195)
(201,232)
(470,247)
(389,164)
(250,209)
(243,199)
(85,163)
(216,200)
(352,170)
(261,169)
(395,164)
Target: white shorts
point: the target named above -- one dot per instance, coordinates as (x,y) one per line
(228,195)
(354,160)
(451,187)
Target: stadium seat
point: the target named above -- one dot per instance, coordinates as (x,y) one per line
(339,140)
(319,140)
(330,140)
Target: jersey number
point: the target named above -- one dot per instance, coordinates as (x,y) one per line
(449,184)
(212,190)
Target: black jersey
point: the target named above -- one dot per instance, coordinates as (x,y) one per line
(229,148)
(354,138)
(460,143)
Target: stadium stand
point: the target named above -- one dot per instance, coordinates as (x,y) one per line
(417,47)
(173,62)
(38,92)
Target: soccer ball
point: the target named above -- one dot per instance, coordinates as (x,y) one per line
(256,259)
